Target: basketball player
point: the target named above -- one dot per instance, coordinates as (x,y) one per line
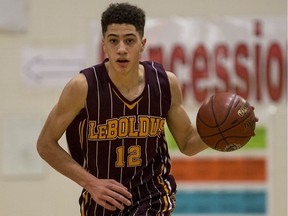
(114,114)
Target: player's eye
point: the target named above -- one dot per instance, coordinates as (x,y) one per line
(113,41)
(130,41)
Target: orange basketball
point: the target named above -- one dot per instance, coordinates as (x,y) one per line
(226,121)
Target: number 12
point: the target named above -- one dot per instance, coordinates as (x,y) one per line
(133,158)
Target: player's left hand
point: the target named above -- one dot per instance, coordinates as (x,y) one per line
(110,194)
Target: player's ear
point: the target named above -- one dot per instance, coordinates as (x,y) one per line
(103,46)
(143,42)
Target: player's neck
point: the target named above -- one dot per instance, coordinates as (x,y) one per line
(130,83)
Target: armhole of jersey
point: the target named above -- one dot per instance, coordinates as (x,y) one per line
(74,139)
(166,84)
(74,132)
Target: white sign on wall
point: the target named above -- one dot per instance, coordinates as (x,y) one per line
(51,67)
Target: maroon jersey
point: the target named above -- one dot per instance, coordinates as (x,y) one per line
(114,138)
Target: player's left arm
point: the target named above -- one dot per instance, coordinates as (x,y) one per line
(179,124)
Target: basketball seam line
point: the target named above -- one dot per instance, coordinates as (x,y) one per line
(218,125)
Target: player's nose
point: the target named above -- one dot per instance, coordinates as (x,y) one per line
(121,49)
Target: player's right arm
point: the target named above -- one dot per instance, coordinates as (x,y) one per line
(178,121)
(71,101)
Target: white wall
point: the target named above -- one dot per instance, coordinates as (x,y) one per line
(62,24)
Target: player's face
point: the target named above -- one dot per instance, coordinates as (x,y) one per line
(123,46)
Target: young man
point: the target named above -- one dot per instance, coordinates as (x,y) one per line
(114,114)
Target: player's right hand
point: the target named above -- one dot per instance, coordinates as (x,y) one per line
(109,193)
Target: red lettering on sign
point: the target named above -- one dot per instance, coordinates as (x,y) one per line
(156,54)
(221,54)
(199,72)
(274,55)
(241,56)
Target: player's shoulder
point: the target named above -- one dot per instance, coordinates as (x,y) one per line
(77,85)
(78,81)
(175,88)
(172,78)
(171,75)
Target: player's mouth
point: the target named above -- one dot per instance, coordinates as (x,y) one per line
(122,62)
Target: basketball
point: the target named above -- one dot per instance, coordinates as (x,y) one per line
(226,121)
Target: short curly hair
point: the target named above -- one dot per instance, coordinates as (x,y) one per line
(123,13)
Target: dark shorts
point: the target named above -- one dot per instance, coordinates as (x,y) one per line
(155,198)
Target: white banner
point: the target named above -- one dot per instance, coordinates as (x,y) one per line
(51,67)
(242,55)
